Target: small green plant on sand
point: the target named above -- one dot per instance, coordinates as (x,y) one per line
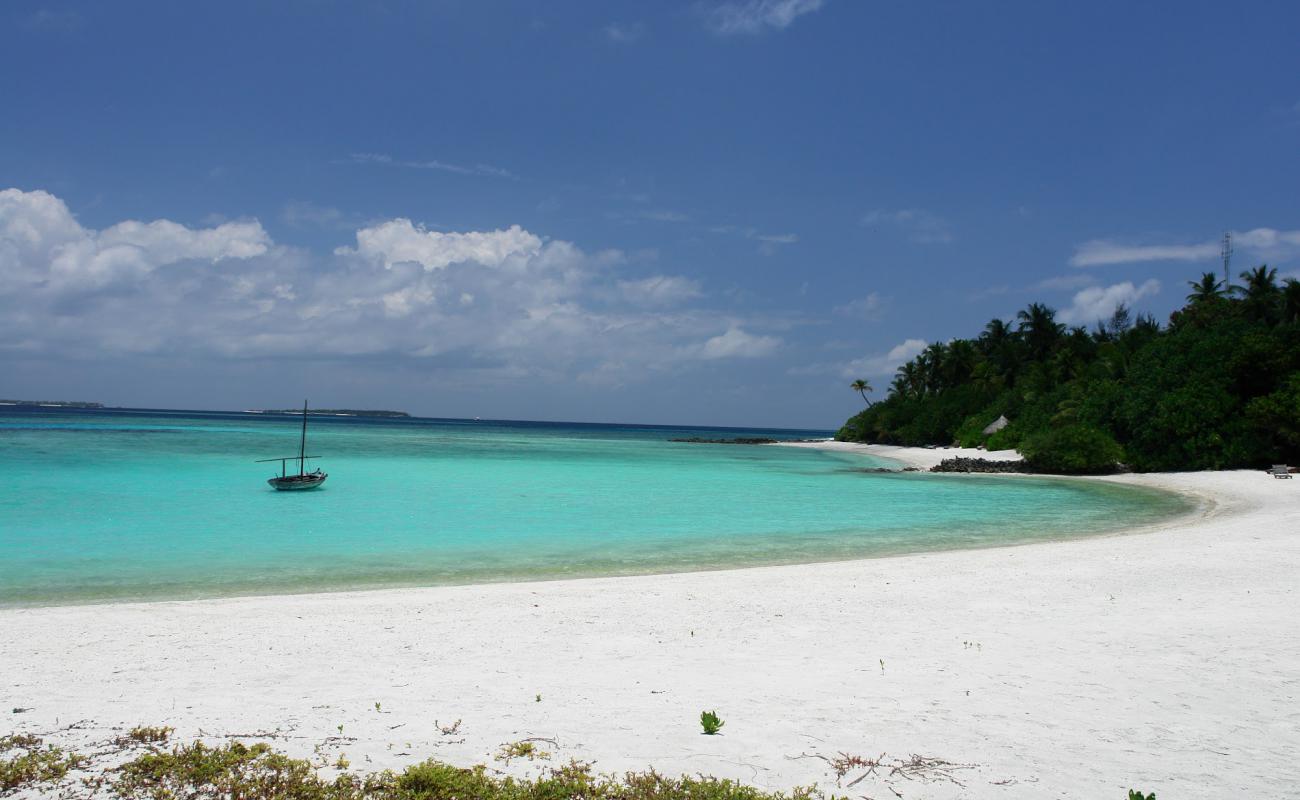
(539,699)
(34,765)
(710,722)
(1134,794)
(522,749)
(146,734)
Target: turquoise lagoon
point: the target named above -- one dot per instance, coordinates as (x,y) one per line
(117,505)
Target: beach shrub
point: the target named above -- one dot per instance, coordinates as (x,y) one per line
(971,432)
(1134,794)
(198,772)
(710,722)
(522,749)
(145,734)
(1072,450)
(234,770)
(33,764)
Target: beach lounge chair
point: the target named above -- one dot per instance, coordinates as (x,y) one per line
(1280,471)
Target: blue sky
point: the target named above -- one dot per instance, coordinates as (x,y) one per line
(702,212)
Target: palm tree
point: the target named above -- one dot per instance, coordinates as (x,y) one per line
(907,380)
(1291,300)
(1208,287)
(862,387)
(1261,283)
(1262,297)
(1040,328)
(995,334)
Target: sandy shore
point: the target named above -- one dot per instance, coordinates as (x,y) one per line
(1167,661)
(919,457)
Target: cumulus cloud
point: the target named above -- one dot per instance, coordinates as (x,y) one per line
(503,302)
(42,243)
(1098,303)
(400,240)
(884,364)
(1265,243)
(920,226)
(749,17)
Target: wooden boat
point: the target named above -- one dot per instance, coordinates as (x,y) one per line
(286,482)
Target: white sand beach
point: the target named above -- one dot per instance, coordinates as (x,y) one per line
(918,457)
(1167,660)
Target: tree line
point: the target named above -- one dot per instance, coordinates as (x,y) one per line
(1217,387)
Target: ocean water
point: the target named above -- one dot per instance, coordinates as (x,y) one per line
(117,505)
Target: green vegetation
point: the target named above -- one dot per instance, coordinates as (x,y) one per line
(236,770)
(710,722)
(1217,387)
(145,734)
(255,771)
(524,748)
(32,763)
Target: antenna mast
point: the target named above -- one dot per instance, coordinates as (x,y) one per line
(1227,260)
(302,446)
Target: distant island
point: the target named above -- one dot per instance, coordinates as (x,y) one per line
(331,412)
(52,403)
(1217,387)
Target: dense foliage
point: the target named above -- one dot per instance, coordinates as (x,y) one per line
(1218,387)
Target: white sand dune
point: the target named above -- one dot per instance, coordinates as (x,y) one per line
(1167,660)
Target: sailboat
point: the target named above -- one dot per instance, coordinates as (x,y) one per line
(285,482)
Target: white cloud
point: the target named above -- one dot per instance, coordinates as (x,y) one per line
(1101,251)
(1265,243)
(756,16)
(659,290)
(41,242)
(1269,243)
(504,303)
(736,343)
(1097,302)
(882,365)
(399,240)
(921,226)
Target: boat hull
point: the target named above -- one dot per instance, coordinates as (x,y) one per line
(298,483)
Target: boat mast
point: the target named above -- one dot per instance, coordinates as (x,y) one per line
(302,446)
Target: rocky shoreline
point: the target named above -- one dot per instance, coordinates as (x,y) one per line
(960,464)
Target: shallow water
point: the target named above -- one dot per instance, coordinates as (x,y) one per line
(109,505)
